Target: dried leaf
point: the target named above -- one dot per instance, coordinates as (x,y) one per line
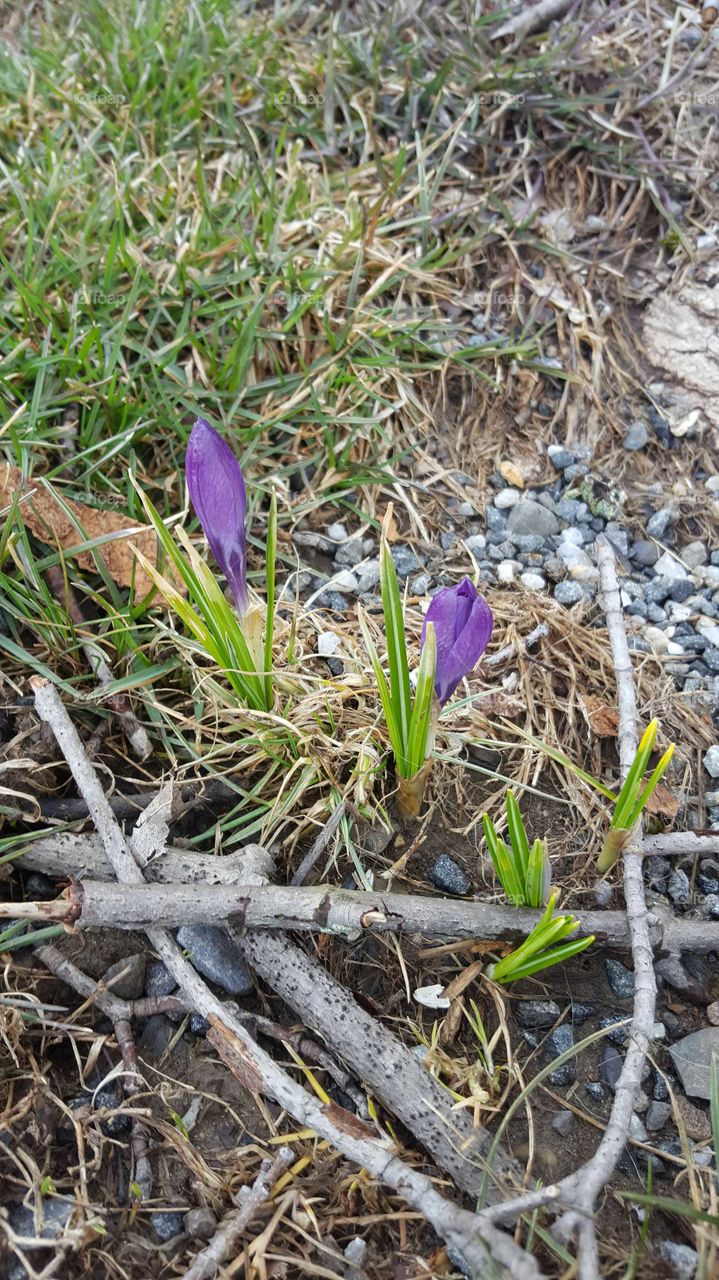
(346,1122)
(451,1024)
(663,802)
(45,518)
(601,716)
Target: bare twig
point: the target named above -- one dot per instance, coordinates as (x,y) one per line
(226,1240)
(320,844)
(258,1071)
(540,632)
(322,908)
(68,856)
(531,18)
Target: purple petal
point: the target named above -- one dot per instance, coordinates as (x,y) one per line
(217,489)
(463,626)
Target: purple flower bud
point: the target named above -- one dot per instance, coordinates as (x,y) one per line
(217,488)
(462,625)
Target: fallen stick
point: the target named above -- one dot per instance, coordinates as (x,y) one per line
(579,1192)
(188,794)
(91,904)
(226,1240)
(259,1072)
(532,18)
(70,856)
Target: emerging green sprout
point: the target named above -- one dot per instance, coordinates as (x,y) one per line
(455,633)
(633,796)
(523,872)
(543,948)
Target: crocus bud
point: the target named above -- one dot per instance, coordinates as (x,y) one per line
(462,625)
(217,490)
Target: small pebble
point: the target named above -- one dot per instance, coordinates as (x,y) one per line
(507,498)
(559,457)
(561,1039)
(528,517)
(659,522)
(200,1223)
(636,437)
(644,553)
(158,980)
(682,1259)
(657,1115)
(536,1013)
(668,566)
(621,979)
(216,957)
(679,888)
(610,1064)
(568,593)
(563,1122)
(595,1090)
(167,1224)
(447,876)
(533,581)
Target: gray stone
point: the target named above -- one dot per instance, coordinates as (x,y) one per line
(405,561)
(659,522)
(533,581)
(447,876)
(580,1012)
(610,1064)
(694,554)
(621,979)
(536,1013)
(568,593)
(595,1090)
(692,1057)
(158,980)
(368,575)
(420,584)
(528,517)
(679,888)
(680,591)
(476,543)
(167,1224)
(132,984)
(671,970)
(711,658)
(563,1123)
(668,566)
(657,1115)
(682,1259)
(199,1026)
(200,1223)
(560,1040)
(616,1034)
(216,958)
(156,1035)
(559,457)
(644,553)
(636,437)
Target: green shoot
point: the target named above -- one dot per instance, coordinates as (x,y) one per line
(633,797)
(522,871)
(544,947)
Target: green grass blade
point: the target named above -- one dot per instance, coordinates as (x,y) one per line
(535,878)
(632,782)
(503,863)
(517,835)
(393,729)
(396,646)
(270,561)
(423,702)
(652,784)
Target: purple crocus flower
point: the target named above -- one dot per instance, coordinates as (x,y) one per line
(462,625)
(217,489)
